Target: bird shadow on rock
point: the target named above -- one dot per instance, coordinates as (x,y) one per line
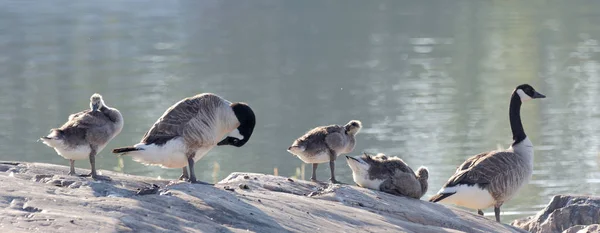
(225,208)
(173,206)
(184,207)
(410,213)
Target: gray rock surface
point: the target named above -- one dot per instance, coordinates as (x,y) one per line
(567,214)
(37,197)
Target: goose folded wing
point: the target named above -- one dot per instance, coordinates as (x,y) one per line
(88,120)
(335,141)
(483,169)
(75,115)
(402,184)
(173,122)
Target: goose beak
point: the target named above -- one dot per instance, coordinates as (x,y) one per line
(538,95)
(95,107)
(349,157)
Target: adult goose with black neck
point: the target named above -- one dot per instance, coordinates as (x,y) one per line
(492,178)
(189,129)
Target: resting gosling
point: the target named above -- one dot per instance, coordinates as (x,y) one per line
(86,133)
(189,129)
(324,144)
(492,178)
(388,174)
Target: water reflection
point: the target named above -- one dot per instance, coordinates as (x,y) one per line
(430,82)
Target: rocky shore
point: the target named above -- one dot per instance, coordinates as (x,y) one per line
(36,197)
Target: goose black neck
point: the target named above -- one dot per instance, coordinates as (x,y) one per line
(514,113)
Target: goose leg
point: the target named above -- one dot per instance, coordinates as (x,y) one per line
(313,177)
(192,178)
(332,168)
(72,171)
(332,157)
(480,212)
(93,173)
(497,213)
(184,174)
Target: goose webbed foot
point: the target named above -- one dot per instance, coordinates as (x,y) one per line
(480,212)
(96,176)
(72,174)
(201,182)
(334,181)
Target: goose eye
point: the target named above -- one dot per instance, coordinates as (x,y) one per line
(235,140)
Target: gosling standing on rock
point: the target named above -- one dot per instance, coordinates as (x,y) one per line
(189,129)
(324,144)
(86,133)
(388,174)
(492,178)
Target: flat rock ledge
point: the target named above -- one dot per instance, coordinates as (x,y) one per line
(37,197)
(566,214)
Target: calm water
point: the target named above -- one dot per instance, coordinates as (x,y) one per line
(430,81)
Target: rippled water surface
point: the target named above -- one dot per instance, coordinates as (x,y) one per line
(430,82)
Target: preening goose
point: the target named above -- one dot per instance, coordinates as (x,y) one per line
(492,178)
(324,143)
(388,174)
(189,129)
(86,133)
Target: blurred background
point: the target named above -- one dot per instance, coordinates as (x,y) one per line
(430,81)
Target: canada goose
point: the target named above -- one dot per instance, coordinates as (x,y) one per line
(492,178)
(324,143)
(388,174)
(86,133)
(189,129)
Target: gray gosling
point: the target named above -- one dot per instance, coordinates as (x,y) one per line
(324,143)
(494,177)
(86,133)
(388,174)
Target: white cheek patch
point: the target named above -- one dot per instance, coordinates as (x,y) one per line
(524,97)
(236,134)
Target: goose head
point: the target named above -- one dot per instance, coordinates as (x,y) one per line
(96,102)
(239,136)
(362,163)
(353,127)
(359,164)
(526,92)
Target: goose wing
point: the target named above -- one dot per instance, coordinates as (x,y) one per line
(320,138)
(484,169)
(336,140)
(75,115)
(402,184)
(471,161)
(182,119)
(87,119)
(86,127)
